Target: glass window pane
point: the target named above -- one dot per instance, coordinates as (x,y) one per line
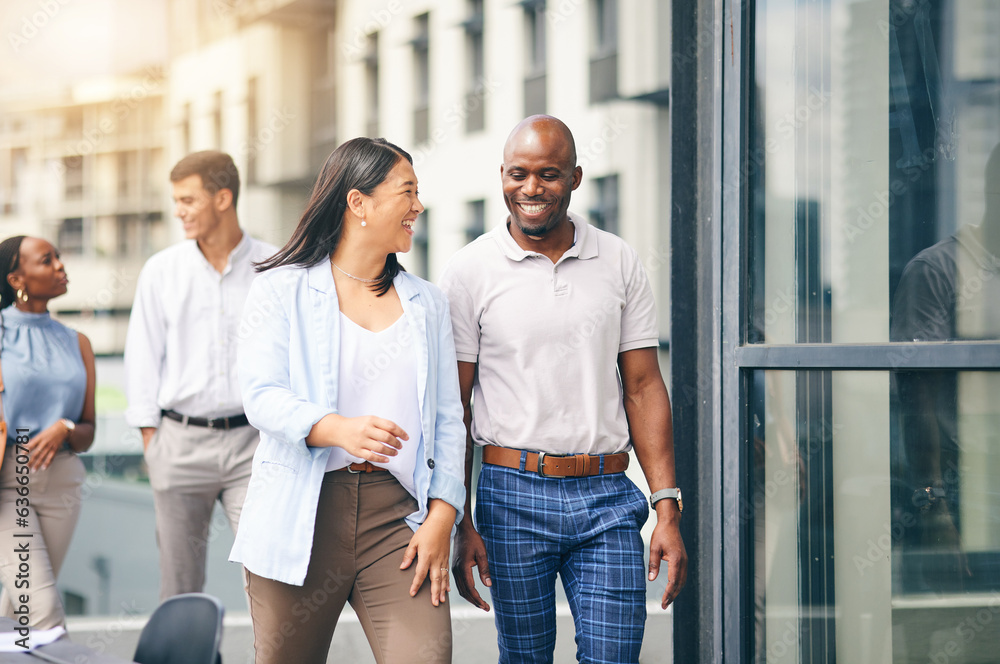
(875,202)
(875,512)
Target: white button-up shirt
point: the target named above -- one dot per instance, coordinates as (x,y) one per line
(180,350)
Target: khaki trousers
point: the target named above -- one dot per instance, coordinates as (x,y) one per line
(189,469)
(52,512)
(359,541)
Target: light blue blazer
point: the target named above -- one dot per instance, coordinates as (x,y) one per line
(288,369)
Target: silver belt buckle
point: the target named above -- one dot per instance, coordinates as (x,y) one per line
(352,471)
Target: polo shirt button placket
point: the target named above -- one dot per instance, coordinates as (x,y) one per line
(558,288)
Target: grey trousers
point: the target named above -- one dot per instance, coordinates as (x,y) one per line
(189,469)
(53,508)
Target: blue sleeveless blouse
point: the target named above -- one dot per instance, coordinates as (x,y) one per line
(43,373)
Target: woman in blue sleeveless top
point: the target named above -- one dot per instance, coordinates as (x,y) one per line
(48,405)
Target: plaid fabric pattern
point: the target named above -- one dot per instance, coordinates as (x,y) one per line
(584,529)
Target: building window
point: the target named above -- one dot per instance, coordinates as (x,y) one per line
(128,174)
(73,177)
(253,126)
(421,79)
(134,233)
(476,225)
(324,100)
(371,85)
(217,120)
(73,123)
(71,240)
(604,214)
(604,54)
(128,232)
(872,175)
(420,253)
(11,178)
(475,102)
(186,129)
(535,100)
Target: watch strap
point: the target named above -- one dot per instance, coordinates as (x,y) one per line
(674,493)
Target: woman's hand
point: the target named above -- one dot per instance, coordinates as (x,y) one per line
(368,437)
(430,547)
(43,447)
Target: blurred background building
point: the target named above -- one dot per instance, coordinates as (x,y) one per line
(805,162)
(87,142)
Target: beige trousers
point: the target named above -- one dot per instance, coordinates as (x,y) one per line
(358,545)
(32,551)
(189,469)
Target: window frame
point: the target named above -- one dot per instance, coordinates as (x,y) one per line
(737,358)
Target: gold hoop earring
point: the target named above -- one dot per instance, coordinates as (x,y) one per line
(21,295)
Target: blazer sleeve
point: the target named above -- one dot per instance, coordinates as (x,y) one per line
(263,362)
(448,476)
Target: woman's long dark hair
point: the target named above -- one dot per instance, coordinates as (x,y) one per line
(360,163)
(10,254)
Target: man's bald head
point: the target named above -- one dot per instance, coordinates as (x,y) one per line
(542,129)
(539,174)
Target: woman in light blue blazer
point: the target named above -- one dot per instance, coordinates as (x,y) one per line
(347,367)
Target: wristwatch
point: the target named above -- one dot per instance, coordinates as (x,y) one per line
(667,493)
(70,428)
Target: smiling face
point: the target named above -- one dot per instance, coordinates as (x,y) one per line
(40,272)
(199,210)
(392,209)
(539,174)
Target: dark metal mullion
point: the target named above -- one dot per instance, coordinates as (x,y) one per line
(696,292)
(974,356)
(737,525)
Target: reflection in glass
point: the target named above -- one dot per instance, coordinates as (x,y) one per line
(872,123)
(875,512)
(950,290)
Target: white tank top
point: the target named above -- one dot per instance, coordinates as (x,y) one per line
(378,376)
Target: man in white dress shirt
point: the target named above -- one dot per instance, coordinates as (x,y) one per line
(180,368)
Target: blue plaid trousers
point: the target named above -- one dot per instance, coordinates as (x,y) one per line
(586,530)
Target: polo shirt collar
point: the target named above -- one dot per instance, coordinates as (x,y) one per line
(584,247)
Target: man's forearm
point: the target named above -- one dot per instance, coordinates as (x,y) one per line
(652,437)
(469,456)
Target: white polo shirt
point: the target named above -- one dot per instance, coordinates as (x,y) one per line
(547,337)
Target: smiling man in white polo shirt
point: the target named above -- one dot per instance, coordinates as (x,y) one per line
(556,335)
(180,367)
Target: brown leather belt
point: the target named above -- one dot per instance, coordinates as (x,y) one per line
(556,465)
(363,467)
